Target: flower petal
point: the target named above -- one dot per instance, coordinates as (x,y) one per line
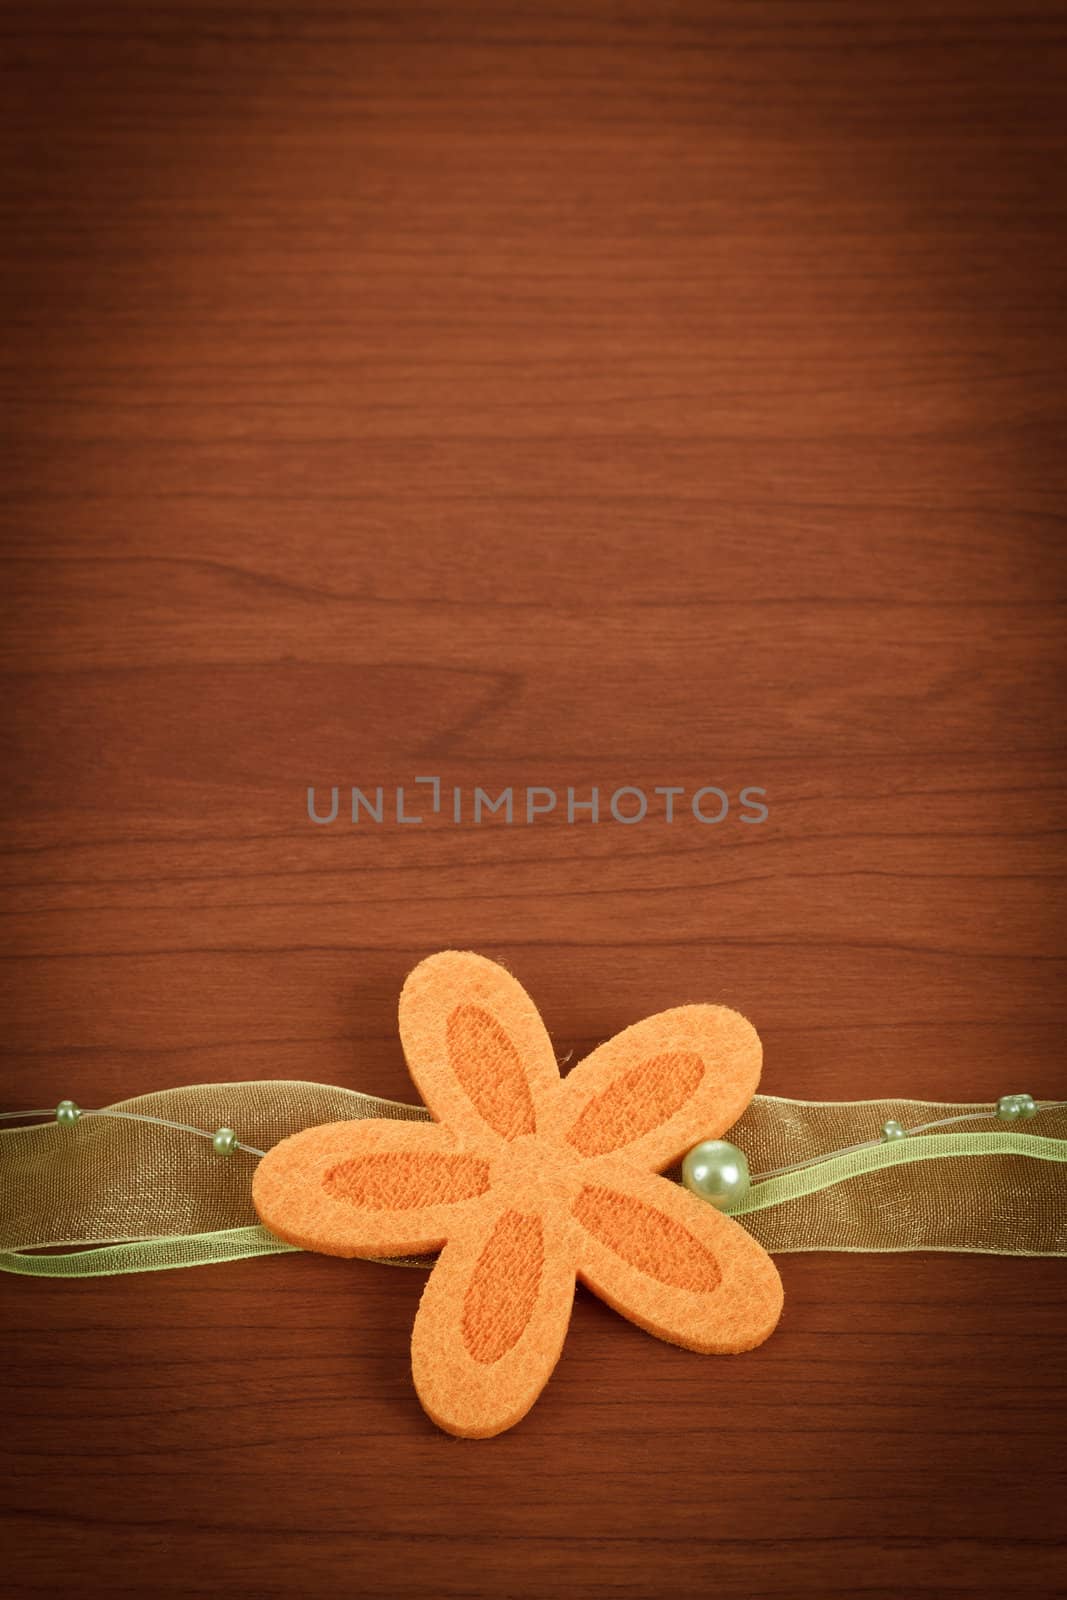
(492,1319)
(476,1047)
(660,1086)
(371,1188)
(672,1263)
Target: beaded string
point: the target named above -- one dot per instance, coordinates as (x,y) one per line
(1010,1108)
(718,1172)
(223,1141)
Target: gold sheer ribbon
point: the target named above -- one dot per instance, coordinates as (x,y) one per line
(117,1195)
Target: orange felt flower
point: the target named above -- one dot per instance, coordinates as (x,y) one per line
(526,1181)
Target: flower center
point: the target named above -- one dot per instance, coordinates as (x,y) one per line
(533,1166)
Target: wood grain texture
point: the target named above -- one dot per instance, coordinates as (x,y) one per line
(617,395)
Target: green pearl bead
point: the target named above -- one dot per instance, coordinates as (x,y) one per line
(224,1142)
(67,1113)
(1016,1108)
(717,1172)
(892,1130)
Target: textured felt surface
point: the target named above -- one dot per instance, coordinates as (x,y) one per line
(527,1181)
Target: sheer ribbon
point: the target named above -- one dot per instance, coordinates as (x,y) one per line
(111,1195)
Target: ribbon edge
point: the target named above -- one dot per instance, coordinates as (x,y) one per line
(814,1178)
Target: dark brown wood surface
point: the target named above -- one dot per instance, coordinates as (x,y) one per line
(622,395)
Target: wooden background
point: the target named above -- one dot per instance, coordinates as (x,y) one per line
(621,394)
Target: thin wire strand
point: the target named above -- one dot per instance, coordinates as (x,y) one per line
(136,1116)
(757,1177)
(165,1122)
(869,1144)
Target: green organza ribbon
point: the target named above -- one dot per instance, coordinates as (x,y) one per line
(116,1195)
